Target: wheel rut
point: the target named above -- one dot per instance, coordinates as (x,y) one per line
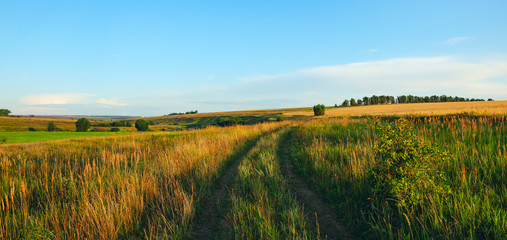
(212,219)
(321,216)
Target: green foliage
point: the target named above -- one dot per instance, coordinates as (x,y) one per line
(142,125)
(3,139)
(31,129)
(34,230)
(228,121)
(5,112)
(345,103)
(115,129)
(151,122)
(405,167)
(279,118)
(82,125)
(51,126)
(319,110)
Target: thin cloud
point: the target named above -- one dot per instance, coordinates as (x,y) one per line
(55,99)
(454,40)
(111,102)
(432,75)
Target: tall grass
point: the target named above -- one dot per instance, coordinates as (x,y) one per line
(144,186)
(338,156)
(263,205)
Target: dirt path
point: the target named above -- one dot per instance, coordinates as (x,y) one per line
(315,208)
(216,206)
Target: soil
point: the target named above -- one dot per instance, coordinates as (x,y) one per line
(215,207)
(321,216)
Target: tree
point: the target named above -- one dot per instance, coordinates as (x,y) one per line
(366,100)
(345,103)
(319,110)
(142,125)
(353,102)
(82,125)
(5,112)
(51,126)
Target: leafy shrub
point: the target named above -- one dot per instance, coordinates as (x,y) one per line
(51,126)
(319,110)
(405,167)
(35,230)
(31,129)
(142,125)
(115,129)
(228,121)
(279,118)
(4,112)
(82,125)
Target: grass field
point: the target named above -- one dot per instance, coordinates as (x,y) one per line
(384,177)
(493,107)
(25,137)
(16,124)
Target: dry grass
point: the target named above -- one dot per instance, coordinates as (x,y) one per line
(16,124)
(494,107)
(135,186)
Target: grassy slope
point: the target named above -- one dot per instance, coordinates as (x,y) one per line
(15,124)
(24,137)
(144,186)
(337,155)
(494,107)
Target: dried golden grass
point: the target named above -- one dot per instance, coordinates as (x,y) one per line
(135,186)
(493,107)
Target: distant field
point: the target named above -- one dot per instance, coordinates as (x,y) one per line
(494,107)
(24,137)
(14,124)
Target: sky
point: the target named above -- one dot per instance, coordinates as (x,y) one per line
(150,58)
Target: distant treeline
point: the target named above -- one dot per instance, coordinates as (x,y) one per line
(189,112)
(121,123)
(376,100)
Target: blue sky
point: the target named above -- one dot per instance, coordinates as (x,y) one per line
(156,57)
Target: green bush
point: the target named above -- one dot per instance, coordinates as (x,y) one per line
(405,168)
(115,129)
(279,118)
(319,110)
(82,125)
(229,121)
(51,126)
(5,112)
(31,129)
(142,125)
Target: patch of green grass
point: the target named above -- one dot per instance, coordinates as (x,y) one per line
(24,137)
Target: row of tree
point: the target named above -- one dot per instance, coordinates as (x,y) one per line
(180,113)
(83,124)
(383,99)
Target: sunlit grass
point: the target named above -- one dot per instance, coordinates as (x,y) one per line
(134,186)
(337,158)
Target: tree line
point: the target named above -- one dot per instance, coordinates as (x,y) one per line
(180,113)
(383,99)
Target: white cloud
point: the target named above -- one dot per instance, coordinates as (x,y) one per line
(56,99)
(110,102)
(455,40)
(431,75)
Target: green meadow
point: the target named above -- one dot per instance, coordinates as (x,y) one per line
(25,137)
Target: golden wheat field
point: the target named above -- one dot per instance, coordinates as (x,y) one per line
(493,107)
